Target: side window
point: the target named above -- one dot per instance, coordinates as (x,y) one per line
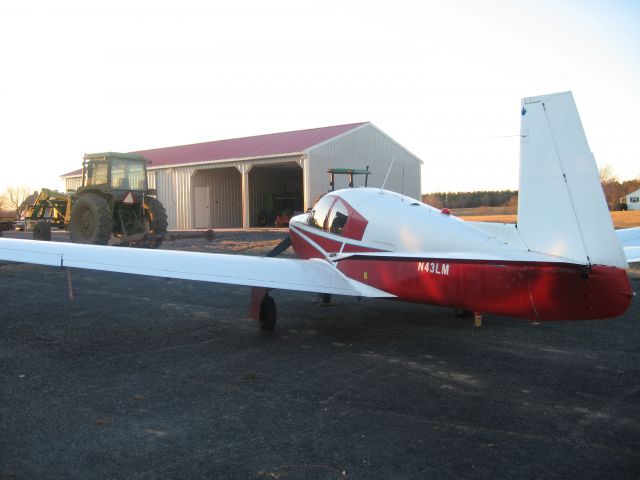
(319,212)
(118,175)
(97,173)
(633,199)
(338,217)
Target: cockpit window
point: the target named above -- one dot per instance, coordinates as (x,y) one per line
(319,212)
(337,218)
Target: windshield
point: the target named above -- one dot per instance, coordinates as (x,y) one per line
(97,173)
(127,175)
(319,212)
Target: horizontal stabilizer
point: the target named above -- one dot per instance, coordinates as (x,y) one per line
(314,275)
(630,241)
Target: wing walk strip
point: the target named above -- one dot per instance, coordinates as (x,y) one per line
(316,276)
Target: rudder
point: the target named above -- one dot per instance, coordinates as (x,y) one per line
(561,206)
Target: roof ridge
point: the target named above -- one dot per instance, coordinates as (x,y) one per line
(263,145)
(304,130)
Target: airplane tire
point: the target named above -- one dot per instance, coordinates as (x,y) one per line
(42,231)
(461,313)
(268,313)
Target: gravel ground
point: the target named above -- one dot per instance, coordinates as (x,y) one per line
(146,378)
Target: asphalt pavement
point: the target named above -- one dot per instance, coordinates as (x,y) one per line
(140,377)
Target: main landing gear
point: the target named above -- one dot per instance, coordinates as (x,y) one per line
(477,316)
(268,313)
(262,306)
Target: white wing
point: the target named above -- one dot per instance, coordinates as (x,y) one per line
(630,241)
(289,274)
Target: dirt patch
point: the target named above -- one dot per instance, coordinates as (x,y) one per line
(254,242)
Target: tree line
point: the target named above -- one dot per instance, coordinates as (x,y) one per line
(481,198)
(613,189)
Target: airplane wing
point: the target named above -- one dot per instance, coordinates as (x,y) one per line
(630,241)
(316,276)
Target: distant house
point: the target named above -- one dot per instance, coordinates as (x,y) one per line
(632,200)
(247,182)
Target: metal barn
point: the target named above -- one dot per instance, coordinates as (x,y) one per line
(246,182)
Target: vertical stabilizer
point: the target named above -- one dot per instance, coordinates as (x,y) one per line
(561,206)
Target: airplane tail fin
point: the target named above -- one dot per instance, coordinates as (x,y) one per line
(561,206)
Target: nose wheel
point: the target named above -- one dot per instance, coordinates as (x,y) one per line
(268,312)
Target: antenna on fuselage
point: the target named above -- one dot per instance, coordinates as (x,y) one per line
(387,175)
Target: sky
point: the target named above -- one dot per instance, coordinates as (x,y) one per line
(442,78)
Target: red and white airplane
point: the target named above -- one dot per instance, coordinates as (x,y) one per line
(563,260)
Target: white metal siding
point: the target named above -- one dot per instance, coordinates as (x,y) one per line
(164,187)
(151,179)
(72,183)
(183,196)
(225,195)
(358,148)
(174,191)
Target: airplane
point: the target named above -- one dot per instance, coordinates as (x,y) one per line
(562,260)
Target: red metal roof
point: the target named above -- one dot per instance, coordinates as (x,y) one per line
(246,147)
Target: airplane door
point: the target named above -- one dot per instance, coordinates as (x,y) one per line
(202,201)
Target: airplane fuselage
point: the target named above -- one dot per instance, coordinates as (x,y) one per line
(420,254)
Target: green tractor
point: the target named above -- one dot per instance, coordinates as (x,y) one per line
(114,199)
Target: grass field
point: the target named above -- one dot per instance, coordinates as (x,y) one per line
(620,219)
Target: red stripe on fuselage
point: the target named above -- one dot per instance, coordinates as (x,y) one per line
(526,290)
(305,249)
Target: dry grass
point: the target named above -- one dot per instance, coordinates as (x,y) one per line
(484,211)
(491,218)
(620,219)
(626,219)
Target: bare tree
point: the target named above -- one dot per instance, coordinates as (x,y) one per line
(610,185)
(607,174)
(16,195)
(3,202)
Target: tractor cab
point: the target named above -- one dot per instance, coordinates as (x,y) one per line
(115,171)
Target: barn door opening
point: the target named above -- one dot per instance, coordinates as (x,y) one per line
(276,193)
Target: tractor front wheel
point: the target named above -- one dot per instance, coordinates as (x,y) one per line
(42,231)
(91,220)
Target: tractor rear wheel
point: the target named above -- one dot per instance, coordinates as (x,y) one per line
(157,218)
(91,220)
(42,231)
